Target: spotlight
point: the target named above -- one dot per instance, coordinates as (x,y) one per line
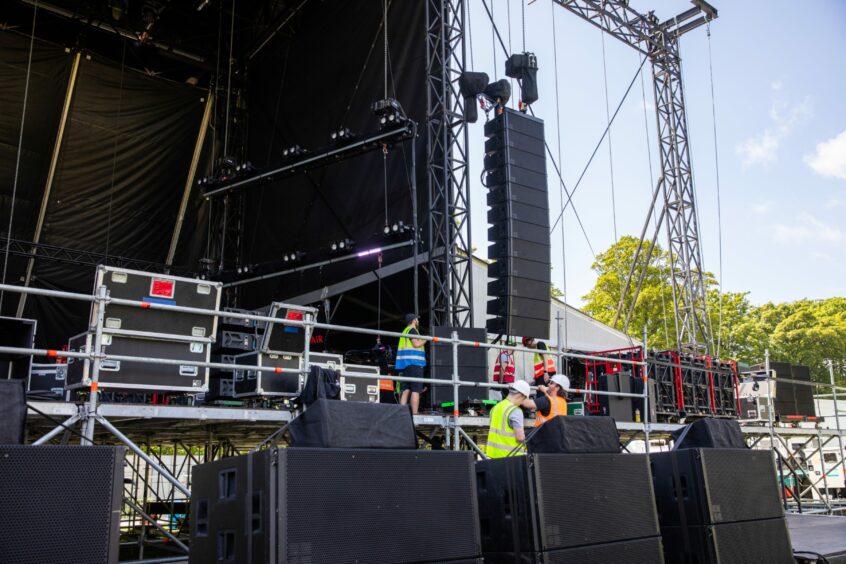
(341,134)
(387,229)
(343,245)
(389,112)
(294,151)
(524,67)
(472,84)
(397,228)
(295,256)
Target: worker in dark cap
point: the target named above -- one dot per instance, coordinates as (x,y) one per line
(410,361)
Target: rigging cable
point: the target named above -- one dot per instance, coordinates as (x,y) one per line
(20,149)
(719,203)
(384,146)
(546,145)
(494,36)
(608,120)
(211,203)
(598,145)
(229,81)
(508,18)
(560,182)
(651,185)
(115,151)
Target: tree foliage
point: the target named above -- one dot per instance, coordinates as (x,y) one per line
(803,332)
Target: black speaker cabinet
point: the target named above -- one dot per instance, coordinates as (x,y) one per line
(717,486)
(61,504)
(472,365)
(159,289)
(47,380)
(547,503)
(19,333)
(765,541)
(720,506)
(518,214)
(640,551)
(325,506)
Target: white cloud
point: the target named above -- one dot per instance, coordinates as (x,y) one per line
(776,85)
(833,203)
(807,228)
(762,208)
(829,159)
(762,148)
(822,257)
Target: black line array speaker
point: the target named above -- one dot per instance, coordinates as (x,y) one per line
(792,399)
(720,506)
(324,506)
(568,508)
(518,215)
(60,504)
(472,365)
(12,412)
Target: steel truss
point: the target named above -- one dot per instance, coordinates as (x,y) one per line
(450,249)
(660,42)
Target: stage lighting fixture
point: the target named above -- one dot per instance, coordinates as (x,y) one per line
(524,66)
(342,246)
(498,92)
(472,84)
(295,256)
(341,134)
(389,112)
(293,151)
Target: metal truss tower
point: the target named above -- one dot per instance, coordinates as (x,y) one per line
(450,250)
(660,42)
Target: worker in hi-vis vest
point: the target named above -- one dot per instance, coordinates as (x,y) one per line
(506,433)
(544,364)
(410,361)
(551,401)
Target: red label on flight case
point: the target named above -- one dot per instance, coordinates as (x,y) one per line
(162,288)
(295,315)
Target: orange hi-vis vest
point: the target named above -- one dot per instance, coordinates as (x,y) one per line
(541,367)
(504,368)
(557,406)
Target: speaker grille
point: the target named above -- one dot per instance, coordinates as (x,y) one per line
(612,492)
(751,542)
(741,484)
(60,504)
(642,551)
(382,506)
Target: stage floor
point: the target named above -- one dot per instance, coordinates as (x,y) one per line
(818,535)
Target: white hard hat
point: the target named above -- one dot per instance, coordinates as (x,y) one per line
(561,380)
(521,387)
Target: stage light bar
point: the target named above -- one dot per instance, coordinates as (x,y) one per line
(396,228)
(369,252)
(294,151)
(389,112)
(295,256)
(341,134)
(342,246)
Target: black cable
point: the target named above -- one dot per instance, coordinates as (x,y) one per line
(816,555)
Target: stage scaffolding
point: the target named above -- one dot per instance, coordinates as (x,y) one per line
(165,441)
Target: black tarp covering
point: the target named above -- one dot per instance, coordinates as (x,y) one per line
(130,137)
(709,433)
(353,424)
(325,76)
(47,85)
(575,435)
(119,178)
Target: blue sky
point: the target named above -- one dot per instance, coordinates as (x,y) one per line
(779,86)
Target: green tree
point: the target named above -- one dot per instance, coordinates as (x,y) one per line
(803,332)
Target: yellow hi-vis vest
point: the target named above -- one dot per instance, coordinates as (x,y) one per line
(501,438)
(407,353)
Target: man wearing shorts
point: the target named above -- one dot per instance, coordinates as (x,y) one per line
(410,361)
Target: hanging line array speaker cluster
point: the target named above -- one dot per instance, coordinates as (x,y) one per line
(518,214)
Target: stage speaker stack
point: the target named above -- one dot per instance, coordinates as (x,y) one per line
(472,367)
(719,505)
(791,401)
(574,499)
(19,333)
(359,491)
(61,504)
(518,215)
